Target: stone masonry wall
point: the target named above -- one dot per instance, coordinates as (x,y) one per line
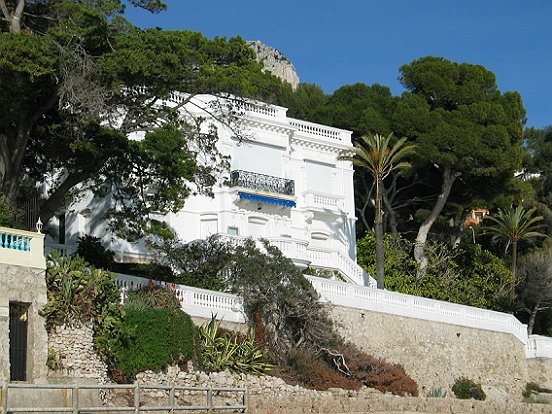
(74,346)
(435,354)
(270,395)
(25,285)
(540,371)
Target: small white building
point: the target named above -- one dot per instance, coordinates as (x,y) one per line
(286,184)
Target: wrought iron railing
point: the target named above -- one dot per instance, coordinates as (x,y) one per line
(262,182)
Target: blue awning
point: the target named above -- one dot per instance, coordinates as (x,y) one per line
(265,199)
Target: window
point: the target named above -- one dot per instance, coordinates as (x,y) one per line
(319,177)
(258,158)
(233,231)
(61,228)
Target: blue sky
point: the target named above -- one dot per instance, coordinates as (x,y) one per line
(340,42)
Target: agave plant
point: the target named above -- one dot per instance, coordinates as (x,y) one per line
(227,352)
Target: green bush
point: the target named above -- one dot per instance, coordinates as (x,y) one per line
(219,351)
(79,292)
(146,270)
(151,296)
(465,389)
(91,249)
(163,337)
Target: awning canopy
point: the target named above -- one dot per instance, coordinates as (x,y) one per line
(266,199)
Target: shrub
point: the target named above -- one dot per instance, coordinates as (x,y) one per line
(221,350)
(163,337)
(307,369)
(152,296)
(146,270)
(437,392)
(465,389)
(77,291)
(91,249)
(376,373)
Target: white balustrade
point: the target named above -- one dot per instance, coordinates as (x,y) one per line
(539,346)
(62,249)
(314,199)
(194,301)
(204,303)
(265,110)
(335,259)
(292,248)
(320,131)
(346,294)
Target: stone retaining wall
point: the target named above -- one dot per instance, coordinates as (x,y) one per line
(269,395)
(436,354)
(540,371)
(74,346)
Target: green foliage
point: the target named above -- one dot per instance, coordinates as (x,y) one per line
(229,352)
(151,297)
(162,337)
(271,284)
(437,392)
(200,263)
(512,226)
(467,275)
(532,389)
(54,360)
(79,292)
(398,256)
(465,389)
(78,63)
(152,271)
(90,248)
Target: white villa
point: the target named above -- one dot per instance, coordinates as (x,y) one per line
(286,185)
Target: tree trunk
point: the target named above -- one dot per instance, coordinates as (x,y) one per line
(390,213)
(514,257)
(423,231)
(532,318)
(378,226)
(58,198)
(14,17)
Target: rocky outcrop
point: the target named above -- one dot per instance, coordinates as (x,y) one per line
(275,62)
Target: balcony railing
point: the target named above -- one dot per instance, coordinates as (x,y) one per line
(22,248)
(539,346)
(262,182)
(316,199)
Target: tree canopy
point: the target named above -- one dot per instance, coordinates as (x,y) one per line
(77,79)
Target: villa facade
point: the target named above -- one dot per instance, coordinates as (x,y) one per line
(286,184)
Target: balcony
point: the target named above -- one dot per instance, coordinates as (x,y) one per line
(316,200)
(262,182)
(22,248)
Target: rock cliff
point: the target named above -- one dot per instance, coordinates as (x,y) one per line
(275,62)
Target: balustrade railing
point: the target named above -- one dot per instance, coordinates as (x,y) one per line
(204,303)
(194,301)
(22,248)
(334,259)
(539,346)
(321,131)
(292,248)
(346,294)
(262,182)
(323,200)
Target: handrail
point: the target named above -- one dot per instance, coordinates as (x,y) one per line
(314,130)
(73,404)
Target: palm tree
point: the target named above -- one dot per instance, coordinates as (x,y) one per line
(375,155)
(513,226)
